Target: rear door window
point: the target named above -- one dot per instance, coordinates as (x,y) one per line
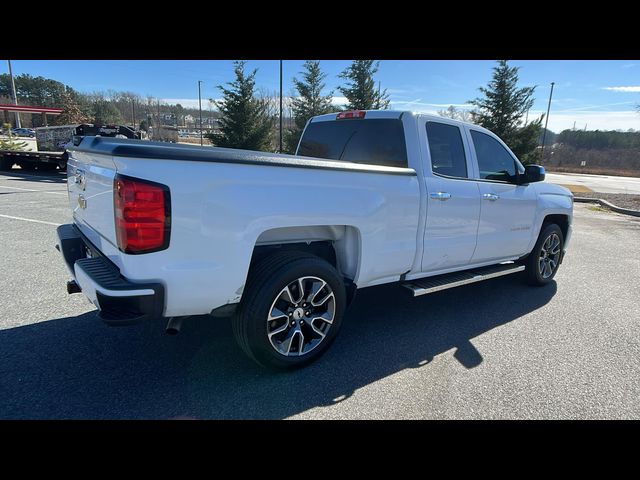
(373,141)
(447,150)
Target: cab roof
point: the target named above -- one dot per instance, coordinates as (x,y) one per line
(373,114)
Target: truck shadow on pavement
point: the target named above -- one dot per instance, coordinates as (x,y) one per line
(77,367)
(52,177)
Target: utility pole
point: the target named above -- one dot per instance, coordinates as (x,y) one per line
(210,128)
(133,112)
(280,106)
(200,107)
(546,122)
(15,96)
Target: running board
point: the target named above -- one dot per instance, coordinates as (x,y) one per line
(427,285)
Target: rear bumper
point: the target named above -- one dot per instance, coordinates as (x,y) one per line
(119,301)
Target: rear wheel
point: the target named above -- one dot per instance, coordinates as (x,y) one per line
(291,310)
(543,261)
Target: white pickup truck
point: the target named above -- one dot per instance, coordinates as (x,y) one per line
(280,243)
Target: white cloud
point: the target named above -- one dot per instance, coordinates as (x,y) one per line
(635,88)
(563,120)
(629,65)
(193,102)
(594,107)
(611,120)
(338,101)
(423,107)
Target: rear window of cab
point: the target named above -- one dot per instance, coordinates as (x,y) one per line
(378,141)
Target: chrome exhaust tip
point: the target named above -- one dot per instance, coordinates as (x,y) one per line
(174,325)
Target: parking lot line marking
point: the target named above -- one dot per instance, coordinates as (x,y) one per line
(30,220)
(32,190)
(25,176)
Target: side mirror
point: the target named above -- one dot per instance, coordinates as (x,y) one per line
(533,173)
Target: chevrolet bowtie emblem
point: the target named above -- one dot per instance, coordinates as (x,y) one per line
(80,179)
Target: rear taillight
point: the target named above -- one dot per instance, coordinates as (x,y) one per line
(142,214)
(351,114)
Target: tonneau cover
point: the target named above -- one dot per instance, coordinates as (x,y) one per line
(121,147)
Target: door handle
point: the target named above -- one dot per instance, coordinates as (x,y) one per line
(492,197)
(440,196)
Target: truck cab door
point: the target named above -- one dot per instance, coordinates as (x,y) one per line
(508,210)
(452,197)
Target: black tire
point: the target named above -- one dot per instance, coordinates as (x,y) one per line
(533,272)
(266,280)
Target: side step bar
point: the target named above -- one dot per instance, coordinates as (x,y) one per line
(427,285)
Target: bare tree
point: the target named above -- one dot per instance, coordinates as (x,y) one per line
(456,114)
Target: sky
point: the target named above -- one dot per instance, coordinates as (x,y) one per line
(596,94)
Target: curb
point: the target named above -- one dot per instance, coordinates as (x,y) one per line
(610,206)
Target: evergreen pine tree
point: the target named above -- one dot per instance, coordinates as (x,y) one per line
(361,91)
(9,144)
(309,103)
(72,112)
(244,121)
(503,108)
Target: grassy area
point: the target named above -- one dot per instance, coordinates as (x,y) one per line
(194,141)
(597,208)
(576,189)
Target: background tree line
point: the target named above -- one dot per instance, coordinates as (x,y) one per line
(599,140)
(110,107)
(599,152)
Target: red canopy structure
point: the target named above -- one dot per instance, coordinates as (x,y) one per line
(28,109)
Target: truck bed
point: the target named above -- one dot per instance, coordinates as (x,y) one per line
(118,147)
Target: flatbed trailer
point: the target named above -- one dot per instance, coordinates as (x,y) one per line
(30,160)
(51,145)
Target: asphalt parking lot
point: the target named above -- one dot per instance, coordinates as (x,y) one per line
(497,349)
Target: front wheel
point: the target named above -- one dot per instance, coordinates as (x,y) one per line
(291,310)
(543,261)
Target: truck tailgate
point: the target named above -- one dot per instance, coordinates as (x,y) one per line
(90,185)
